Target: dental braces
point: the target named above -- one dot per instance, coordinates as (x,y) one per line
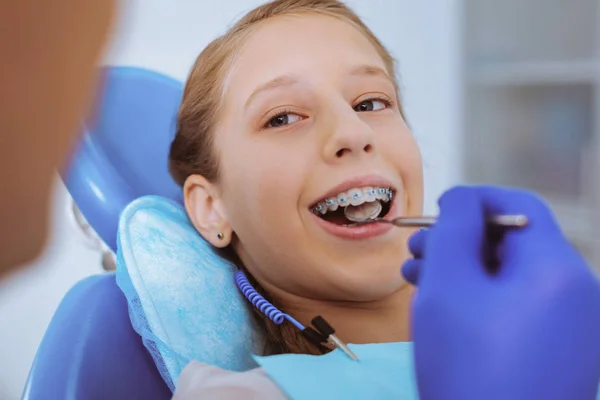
(385,194)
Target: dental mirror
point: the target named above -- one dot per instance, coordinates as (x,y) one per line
(364,212)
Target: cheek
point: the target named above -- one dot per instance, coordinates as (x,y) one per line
(262,186)
(412,175)
(405,154)
(261,201)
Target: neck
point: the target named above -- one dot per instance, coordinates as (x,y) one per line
(381,321)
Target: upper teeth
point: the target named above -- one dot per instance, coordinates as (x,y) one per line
(353,197)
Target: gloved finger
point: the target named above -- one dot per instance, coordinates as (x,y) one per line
(520,246)
(416,243)
(411,270)
(454,244)
(499,200)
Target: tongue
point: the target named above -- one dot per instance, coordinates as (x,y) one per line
(363,212)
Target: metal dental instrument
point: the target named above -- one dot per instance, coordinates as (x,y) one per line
(333,341)
(322,334)
(504,221)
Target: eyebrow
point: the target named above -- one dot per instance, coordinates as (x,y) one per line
(280,81)
(290,80)
(369,70)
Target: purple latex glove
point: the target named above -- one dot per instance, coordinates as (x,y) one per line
(530,330)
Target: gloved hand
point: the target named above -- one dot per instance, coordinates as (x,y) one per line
(529,331)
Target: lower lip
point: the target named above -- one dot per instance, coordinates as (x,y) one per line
(358,232)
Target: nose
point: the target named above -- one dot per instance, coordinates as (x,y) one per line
(347,136)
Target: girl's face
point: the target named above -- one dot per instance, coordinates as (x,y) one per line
(309,113)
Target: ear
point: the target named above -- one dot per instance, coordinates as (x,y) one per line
(205,210)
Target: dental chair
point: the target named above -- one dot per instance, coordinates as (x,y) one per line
(90,350)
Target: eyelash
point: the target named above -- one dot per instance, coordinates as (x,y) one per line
(387,102)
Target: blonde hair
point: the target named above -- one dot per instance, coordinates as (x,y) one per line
(192,151)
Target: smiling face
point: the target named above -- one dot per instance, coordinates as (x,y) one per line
(310,119)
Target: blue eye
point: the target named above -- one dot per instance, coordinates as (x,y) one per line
(371,105)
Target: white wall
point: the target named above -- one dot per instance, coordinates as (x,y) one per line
(166,36)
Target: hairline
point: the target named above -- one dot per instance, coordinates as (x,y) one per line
(233,63)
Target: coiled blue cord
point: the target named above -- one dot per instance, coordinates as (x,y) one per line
(262,304)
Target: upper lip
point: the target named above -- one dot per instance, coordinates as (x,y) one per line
(357,182)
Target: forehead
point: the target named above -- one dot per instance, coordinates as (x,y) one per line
(311,47)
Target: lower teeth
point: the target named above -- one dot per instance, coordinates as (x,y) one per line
(363,212)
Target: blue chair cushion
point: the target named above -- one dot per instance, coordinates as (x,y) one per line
(123,151)
(91,352)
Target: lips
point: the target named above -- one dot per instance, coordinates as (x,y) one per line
(359,232)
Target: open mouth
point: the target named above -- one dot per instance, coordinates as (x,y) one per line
(355,205)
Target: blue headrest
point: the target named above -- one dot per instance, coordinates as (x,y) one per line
(124,154)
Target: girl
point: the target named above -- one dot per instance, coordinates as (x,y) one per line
(290,119)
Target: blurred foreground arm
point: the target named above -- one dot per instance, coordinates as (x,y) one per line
(50,51)
(528,329)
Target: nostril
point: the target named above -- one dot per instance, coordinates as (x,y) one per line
(341,152)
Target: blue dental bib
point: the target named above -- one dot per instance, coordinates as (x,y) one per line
(384,371)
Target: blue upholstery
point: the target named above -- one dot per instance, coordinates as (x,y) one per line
(90,351)
(123,153)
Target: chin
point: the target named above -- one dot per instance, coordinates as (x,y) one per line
(374,286)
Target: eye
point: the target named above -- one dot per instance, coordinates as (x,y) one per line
(371,105)
(282,119)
